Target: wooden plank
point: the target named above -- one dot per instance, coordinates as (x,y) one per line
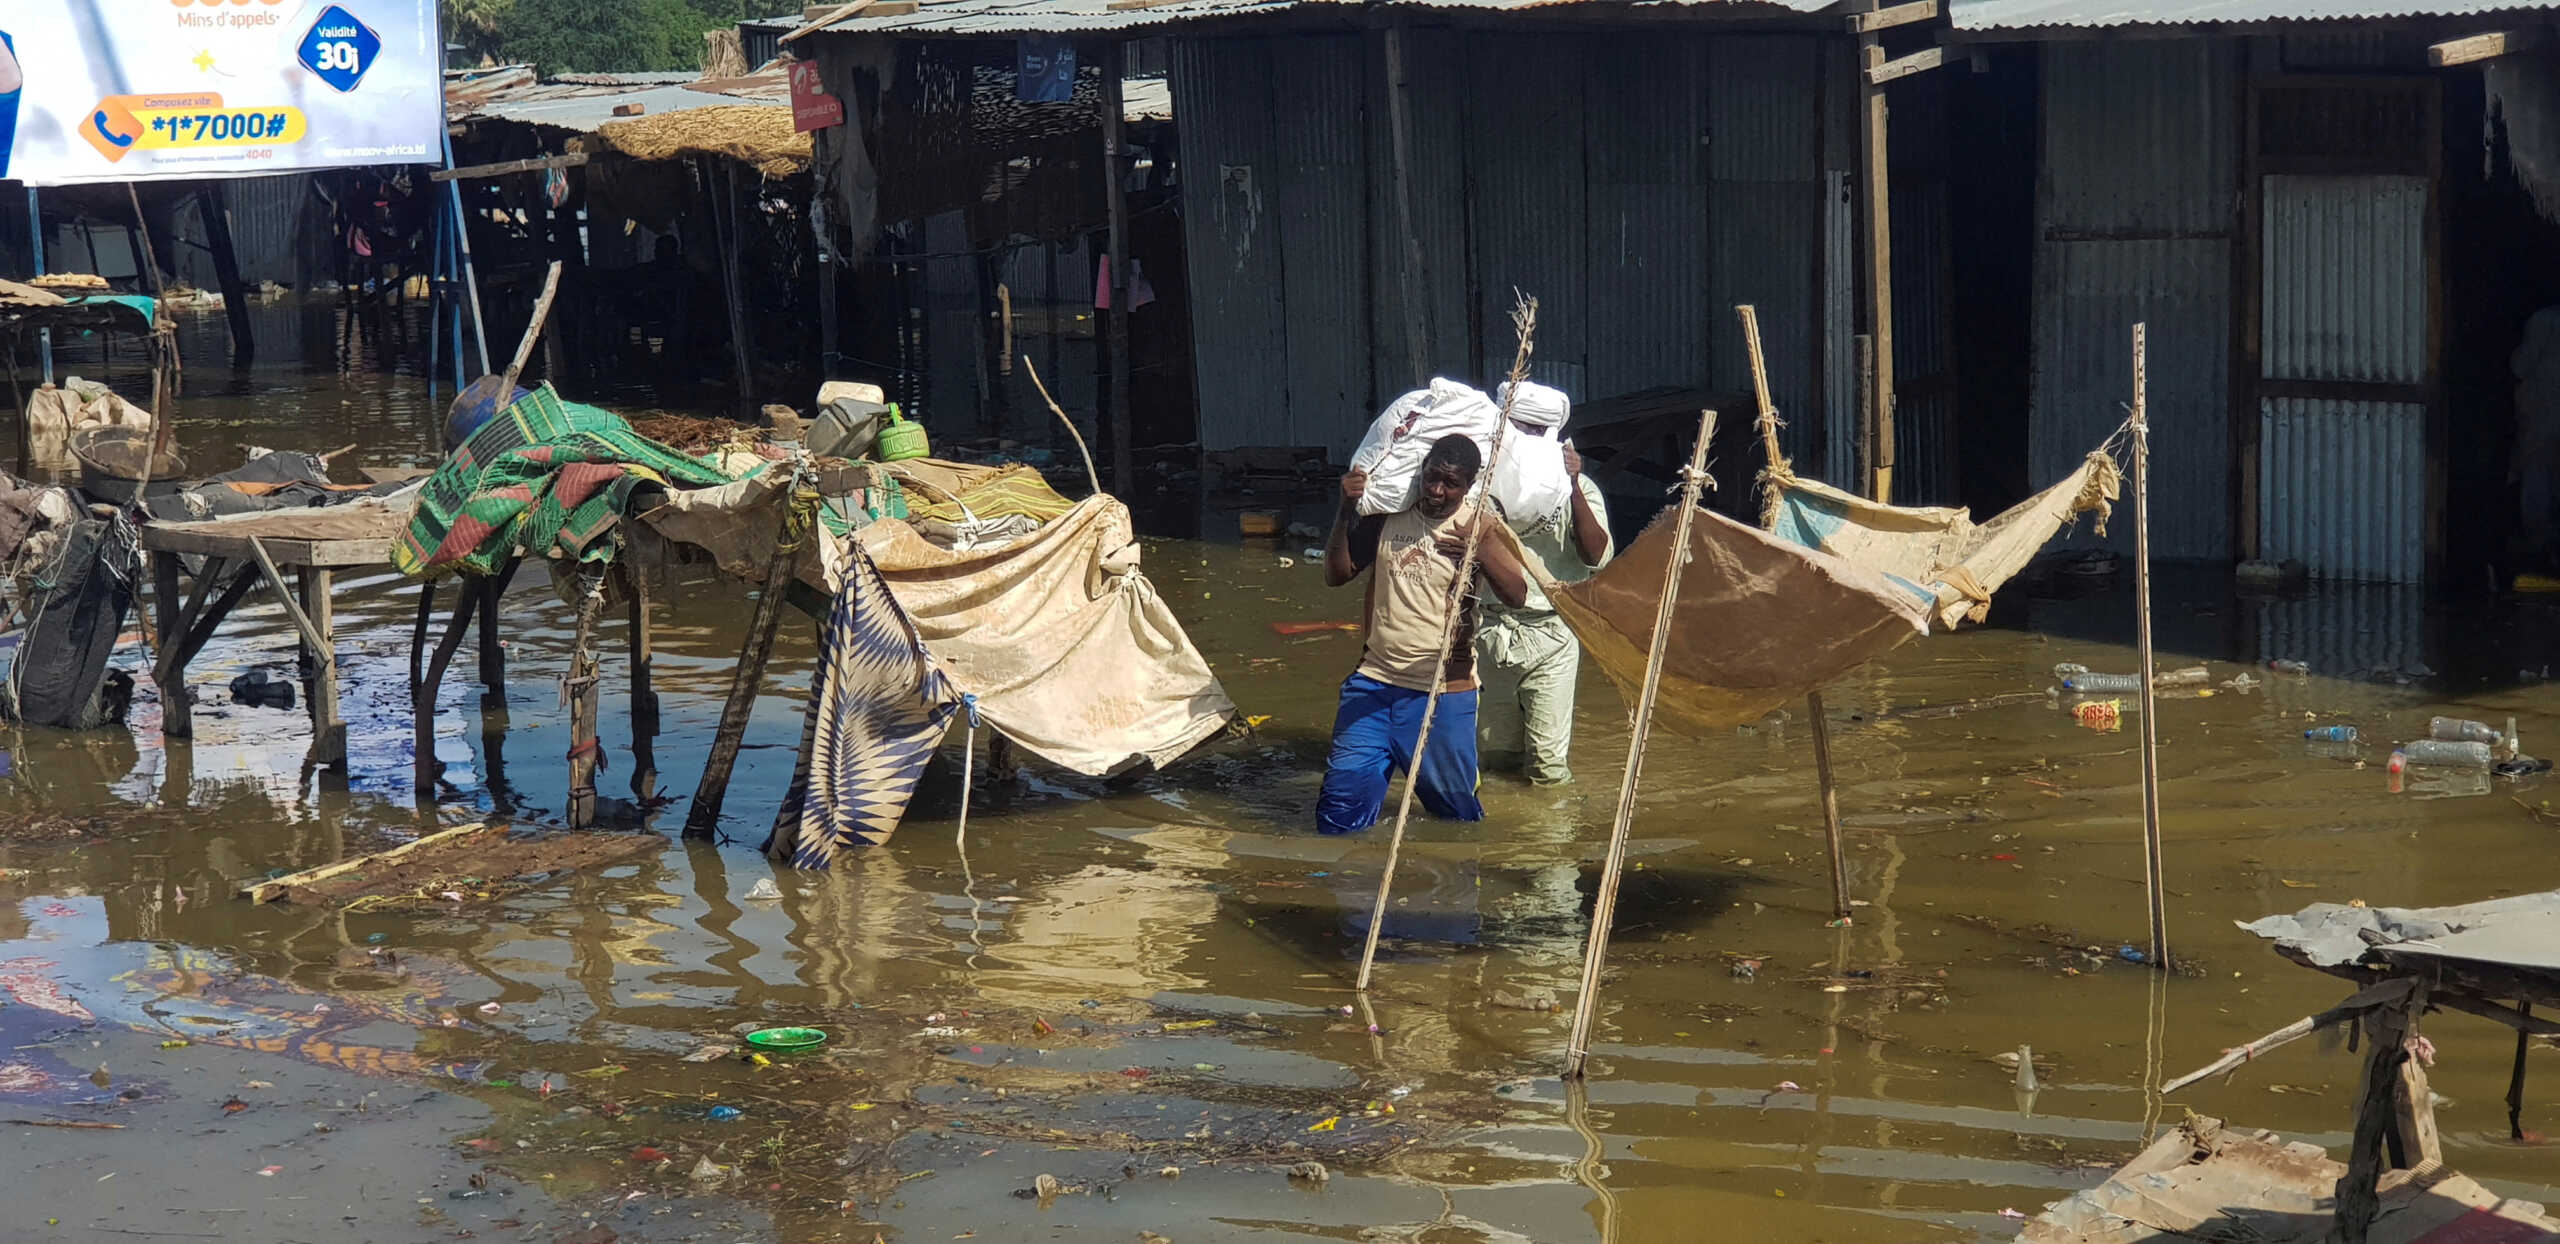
(1903,67)
(265,891)
(817,17)
(2359,1190)
(293,613)
(2488,45)
(393,474)
(2381,993)
(335,554)
(476,171)
(1886,19)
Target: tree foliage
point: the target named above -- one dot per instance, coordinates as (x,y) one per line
(625,36)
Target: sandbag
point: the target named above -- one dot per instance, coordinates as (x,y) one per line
(1529,482)
(1402,435)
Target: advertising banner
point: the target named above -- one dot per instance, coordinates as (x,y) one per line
(148,90)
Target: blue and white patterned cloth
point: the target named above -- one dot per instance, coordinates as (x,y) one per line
(881,707)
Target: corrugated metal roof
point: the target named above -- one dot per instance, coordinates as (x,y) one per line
(584,103)
(1016,17)
(2043,14)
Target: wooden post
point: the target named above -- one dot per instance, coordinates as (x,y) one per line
(328,728)
(644,695)
(1876,207)
(1604,910)
(1415,286)
(1767,424)
(1115,173)
(1862,356)
(532,329)
(2515,1077)
(2154,878)
(1830,806)
(493,650)
(226,271)
(165,570)
(826,282)
(586,751)
(724,208)
(748,679)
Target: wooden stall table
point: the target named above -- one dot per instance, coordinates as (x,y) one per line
(238,554)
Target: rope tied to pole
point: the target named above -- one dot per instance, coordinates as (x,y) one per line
(1524,325)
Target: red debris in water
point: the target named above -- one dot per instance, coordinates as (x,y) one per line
(648,1153)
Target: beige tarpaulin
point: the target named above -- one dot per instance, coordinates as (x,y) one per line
(1760,621)
(1938,549)
(1065,644)
(54,413)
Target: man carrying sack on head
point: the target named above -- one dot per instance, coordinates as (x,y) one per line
(1415,554)
(1529,657)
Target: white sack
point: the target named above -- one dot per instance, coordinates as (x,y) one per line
(1402,437)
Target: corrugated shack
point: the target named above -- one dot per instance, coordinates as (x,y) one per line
(677,205)
(965,189)
(1640,169)
(2324,213)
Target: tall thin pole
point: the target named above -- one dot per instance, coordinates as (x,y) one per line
(2152,874)
(1604,911)
(1524,322)
(1115,173)
(470,276)
(35,244)
(1770,502)
(1875,179)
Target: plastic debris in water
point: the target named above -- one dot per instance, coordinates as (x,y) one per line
(1312,1172)
(765,889)
(724,1114)
(2026,1069)
(2099,714)
(1789,1086)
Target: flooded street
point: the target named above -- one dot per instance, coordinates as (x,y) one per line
(1142,988)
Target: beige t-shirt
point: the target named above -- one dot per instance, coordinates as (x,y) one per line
(1408,598)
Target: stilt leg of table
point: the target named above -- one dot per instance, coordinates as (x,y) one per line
(328,727)
(422,694)
(586,752)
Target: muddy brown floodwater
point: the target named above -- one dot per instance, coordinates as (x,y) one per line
(1107,980)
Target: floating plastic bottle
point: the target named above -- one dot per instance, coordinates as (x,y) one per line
(2459,730)
(2283,666)
(2069,670)
(2331,734)
(2191,676)
(2448,753)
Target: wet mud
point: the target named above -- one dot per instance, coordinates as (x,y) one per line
(1137,988)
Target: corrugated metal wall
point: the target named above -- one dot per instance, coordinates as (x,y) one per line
(1435,156)
(2135,212)
(1639,185)
(1765,220)
(2343,483)
(1527,214)
(1322,202)
(1231,240)
(1648,304)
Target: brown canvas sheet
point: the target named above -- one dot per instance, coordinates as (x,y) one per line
(1760,621)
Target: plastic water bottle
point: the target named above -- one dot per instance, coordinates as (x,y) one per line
(2283,666)
(2459,730)
(2446,752)
(2103,682)
(2331,734)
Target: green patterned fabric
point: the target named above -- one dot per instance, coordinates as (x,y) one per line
(544,478)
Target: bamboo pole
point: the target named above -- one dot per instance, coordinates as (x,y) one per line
(1094,476)
(1604,909)
(532,331)
(1767,423)
(266,890)
(1524,324)
(2383,993)
(2154,882)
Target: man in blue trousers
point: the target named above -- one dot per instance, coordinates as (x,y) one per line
(1415,556)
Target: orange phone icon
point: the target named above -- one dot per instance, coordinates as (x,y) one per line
(112,128)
